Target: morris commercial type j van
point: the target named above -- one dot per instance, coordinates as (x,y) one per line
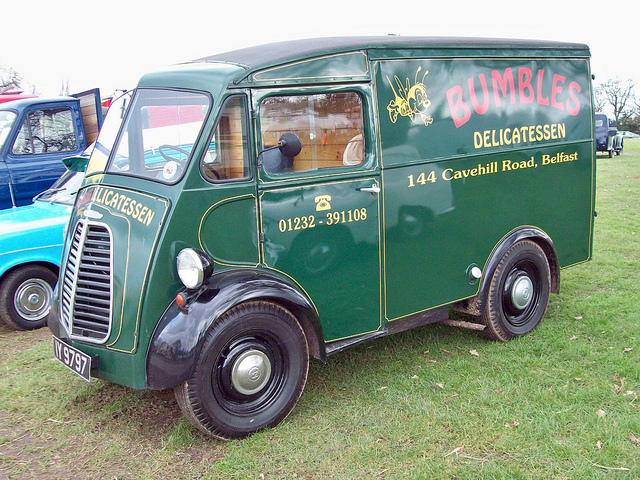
(250,210)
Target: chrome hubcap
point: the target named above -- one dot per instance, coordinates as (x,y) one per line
(522,292)
(33,299)
(251,372)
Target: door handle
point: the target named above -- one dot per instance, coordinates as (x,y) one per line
(372,189)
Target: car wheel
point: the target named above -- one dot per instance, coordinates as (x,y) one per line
(518,293)
(26,297)
(250,372)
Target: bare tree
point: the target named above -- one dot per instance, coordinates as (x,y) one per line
(599,102)
(617,94)
(9,78)
(64,88)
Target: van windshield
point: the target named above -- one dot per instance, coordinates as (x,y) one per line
(158,134)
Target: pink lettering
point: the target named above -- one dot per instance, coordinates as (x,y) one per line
(555,90)
(479,108)
(573,104)
(524,85)
(503,85)
(456,105)
(541,99)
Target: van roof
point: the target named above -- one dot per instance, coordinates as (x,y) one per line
(262,56)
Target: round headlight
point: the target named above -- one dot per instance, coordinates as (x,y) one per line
(193,267)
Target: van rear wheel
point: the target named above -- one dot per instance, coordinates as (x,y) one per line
(250,373)
(518,293)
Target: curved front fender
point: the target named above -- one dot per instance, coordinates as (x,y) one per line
(178,336)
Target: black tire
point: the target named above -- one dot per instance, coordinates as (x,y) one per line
(26,296)
(519,292)
(250,373)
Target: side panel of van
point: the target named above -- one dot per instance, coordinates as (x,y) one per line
(473,149)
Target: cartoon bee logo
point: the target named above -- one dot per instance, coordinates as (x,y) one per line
(410,100)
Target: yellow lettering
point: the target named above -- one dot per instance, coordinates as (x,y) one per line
(516,136)
(125,204)
(521,134)
(98,195)
(149,217)
(114,200)
(477,140)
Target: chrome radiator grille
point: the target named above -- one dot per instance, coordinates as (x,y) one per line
(86,283)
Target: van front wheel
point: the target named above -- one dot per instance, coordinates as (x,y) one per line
(518,293)
(250,372)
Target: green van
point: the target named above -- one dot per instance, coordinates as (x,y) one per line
(247,211)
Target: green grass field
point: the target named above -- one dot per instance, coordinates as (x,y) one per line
(433,403)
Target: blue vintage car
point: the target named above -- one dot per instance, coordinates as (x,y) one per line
(31,241)
(608,139)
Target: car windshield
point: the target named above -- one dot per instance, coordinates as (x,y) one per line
(7,117)
(157,135)
(64,190)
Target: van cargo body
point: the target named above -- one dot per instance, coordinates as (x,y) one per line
(246,211)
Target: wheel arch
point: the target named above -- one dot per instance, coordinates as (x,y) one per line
(178,336)
(40,263)
(476,305)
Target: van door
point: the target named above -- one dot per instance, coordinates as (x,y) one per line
(5,187)
(319,209)
(46,136)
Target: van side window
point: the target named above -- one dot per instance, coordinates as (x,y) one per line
(227,156)
(46,131)
(329,125)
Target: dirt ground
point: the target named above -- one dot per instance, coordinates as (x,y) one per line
(139,430)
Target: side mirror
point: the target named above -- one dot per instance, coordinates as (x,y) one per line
(76,164)
(281,160)
(290,144)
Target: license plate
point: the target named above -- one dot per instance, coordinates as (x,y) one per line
(72,358)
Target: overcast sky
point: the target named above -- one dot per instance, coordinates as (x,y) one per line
(110,44)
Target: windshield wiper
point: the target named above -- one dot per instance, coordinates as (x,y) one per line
(51,191)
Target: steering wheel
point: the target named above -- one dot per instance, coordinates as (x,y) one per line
(169,158)
(208,169)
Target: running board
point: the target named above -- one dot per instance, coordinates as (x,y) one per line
(340,345)
(436,315)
